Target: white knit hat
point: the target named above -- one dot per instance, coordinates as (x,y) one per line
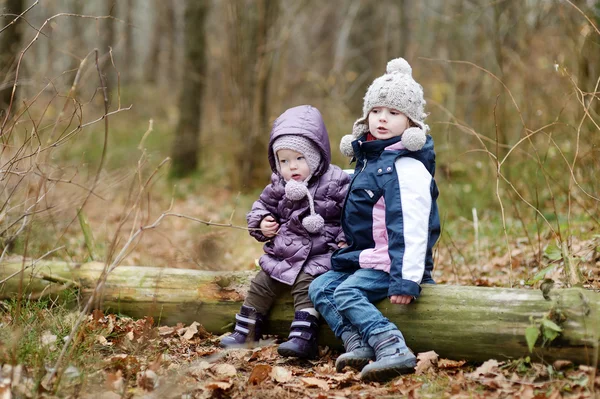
(299,144)
(396,89)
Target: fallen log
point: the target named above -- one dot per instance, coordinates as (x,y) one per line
(458,322)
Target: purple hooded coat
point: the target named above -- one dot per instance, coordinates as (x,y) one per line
(293,248)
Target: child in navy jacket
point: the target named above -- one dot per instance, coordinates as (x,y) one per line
(391,223)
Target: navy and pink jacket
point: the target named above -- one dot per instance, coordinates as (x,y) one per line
(390,217)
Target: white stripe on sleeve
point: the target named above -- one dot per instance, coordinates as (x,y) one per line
(415,195)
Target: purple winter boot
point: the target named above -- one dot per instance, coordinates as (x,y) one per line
(248,328)
(302,341)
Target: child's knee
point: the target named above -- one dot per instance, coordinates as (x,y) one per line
(342,297)
(313,290)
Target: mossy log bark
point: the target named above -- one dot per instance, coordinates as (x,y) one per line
(458,322)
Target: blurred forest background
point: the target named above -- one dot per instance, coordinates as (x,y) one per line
(512,88)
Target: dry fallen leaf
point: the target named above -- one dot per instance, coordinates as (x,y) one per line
(488,367)
(102,340)
(191,331)
(327,369)
(224,370)
(562,364)
(281,374)
(315,382)
(198,369)
(103,395)
(526,392)
(410,388)
(450,364)
(114,381)
(166,331)
(5,391)
(346,377)
(426,361)
(259,374)
(219,385)
(147,380)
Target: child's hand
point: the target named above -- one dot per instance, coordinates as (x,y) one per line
(401,299)
(342,244)
(268,226)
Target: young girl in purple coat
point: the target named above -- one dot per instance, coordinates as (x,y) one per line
(298,216)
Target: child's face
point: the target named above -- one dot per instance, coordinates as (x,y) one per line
(293,165)
(385,123)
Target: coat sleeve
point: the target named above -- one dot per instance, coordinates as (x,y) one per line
(340,197)
(337,182)
(264,206)
(408,206)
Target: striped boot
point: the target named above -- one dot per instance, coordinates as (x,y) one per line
(358,353)
(248,327)
(393,357)
(302,341)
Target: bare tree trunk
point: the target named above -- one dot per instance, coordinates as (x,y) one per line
(170,77)
(153,61)
(405,17)
(128,70)
(256,140)
(186,144)
(342,42)
(10,41)
(589,68)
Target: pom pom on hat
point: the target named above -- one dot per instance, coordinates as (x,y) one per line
(346,145)
(399,65)
(313,223)
(358,129)
(295,190)
(413,138)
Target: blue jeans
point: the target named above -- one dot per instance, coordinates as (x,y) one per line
(345,300)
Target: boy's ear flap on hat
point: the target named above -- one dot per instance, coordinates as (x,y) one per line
(360,128)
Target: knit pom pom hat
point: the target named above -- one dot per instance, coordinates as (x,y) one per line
(396,89)
(296,190)
(299,144)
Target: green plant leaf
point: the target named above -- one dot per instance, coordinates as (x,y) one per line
(541,274)
(550,329)
(550,335)
(531,335)
(553,252)
(549,324)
